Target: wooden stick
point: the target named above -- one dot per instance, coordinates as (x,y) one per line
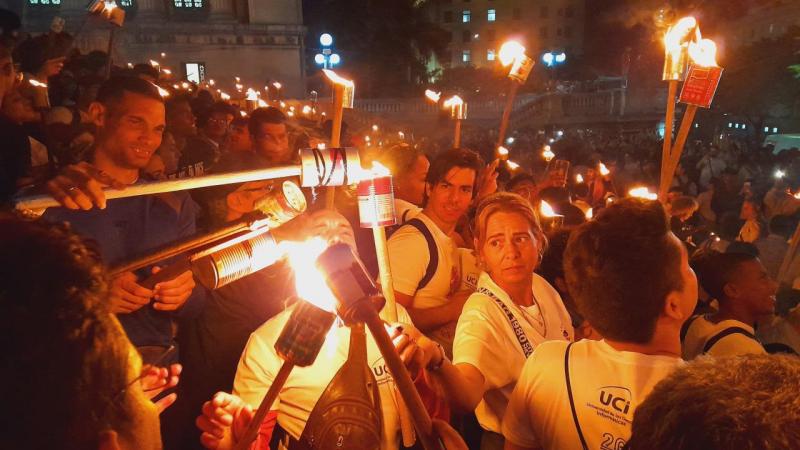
(266,403)
(336,135)
(387,286)
(512,94)
(457,134)
(680,142)
(37,202)
(669,122)
(111,36)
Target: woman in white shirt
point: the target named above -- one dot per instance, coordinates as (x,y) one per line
(512,312)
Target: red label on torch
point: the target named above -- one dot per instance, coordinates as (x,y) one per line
(700,85)
(376,202)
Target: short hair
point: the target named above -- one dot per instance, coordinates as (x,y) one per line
(112,91)
(216,108)
(782,225)
(265,115)
(682,205)
(447,160)
(399,158)
(146,70)
(745,402)
(508,202)
(715,270)
(57,330)
(621,266)
(573,216)
(519,179)
(729,225)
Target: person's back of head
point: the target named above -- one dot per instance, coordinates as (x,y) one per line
(743,403)
(67,360)
(729,226)
(622,266)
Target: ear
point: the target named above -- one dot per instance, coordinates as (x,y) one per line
(673,307)
(730,290)
(97,114)
(108,440)
(428,189)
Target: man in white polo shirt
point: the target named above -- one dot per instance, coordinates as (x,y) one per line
(745,293)
(630,278)
(423,256)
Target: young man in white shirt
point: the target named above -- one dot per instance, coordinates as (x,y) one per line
(428,284)
(631,279)
(745,293)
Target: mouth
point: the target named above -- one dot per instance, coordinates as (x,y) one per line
(141,152)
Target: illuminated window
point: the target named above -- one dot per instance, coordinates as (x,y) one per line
(44,2)
(490,55)
(466,15)
(184,4)
(126,3)
(466,56)
(491,15)
(195,72)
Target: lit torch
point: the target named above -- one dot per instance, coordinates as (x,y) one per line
(252,99)
(513,53)
(343,97)
(458,112)
(642,192)
(550,220)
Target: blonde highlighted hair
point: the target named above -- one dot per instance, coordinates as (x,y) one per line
(507,202)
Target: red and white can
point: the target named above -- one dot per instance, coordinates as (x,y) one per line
(376,202)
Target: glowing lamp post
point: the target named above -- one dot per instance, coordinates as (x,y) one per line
(458,112)
(343,97)
(327,59)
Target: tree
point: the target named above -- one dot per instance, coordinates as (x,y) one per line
(384,44)
(758,82)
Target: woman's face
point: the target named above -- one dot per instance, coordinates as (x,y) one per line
(509,251)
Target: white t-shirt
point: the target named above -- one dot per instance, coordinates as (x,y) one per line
(702,329)
(260,363)
(405,211)
(607,386)
(486,340)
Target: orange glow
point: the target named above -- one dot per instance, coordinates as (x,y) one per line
(703,53)
(511,51)
(579,178)
(642,192)
(678,35)
(512,165)
(433,96)
(548,154)
(546,210)
(604,170)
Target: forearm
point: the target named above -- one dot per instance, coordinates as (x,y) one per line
(462,389)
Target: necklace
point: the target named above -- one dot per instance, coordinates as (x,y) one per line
(537,323)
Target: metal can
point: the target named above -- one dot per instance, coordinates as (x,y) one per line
(282,204)
(376,202)
(304,334)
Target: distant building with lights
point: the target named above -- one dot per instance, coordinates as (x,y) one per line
(769,20)
(258,40)
(477,28)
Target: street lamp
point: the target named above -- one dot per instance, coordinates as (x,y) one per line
(551,59)
(327,59)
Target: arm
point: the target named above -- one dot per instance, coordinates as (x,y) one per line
(463,384)
(431,318)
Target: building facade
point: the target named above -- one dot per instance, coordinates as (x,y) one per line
(766,21)
(478,27)
(257,40)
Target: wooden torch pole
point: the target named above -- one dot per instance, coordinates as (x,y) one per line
(512,95)
(336,135)
(669,122)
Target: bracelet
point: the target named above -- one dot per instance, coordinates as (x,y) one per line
(442,358)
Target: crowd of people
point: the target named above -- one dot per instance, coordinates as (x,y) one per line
(622,322)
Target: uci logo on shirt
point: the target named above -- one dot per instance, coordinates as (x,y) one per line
(616,397)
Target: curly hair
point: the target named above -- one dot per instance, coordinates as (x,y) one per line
(746,403)
(66,355)
(621,266)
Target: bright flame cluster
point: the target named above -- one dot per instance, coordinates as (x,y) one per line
(643,192)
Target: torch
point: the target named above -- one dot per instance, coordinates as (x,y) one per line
(643,193)
(343,97)
(698,91)
(299,344)
(550,220)
(318,167)
(108,10)
(513,53)
(251,98)
(548,156)
(458,112)
(675,59)
(354,291)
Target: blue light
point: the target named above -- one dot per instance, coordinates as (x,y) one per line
(335,59)
(548,59)
(319,58)
(561,57)
(326,40)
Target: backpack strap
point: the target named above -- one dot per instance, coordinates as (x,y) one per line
(433,251)
(685,327)
(727,332)
(571,399)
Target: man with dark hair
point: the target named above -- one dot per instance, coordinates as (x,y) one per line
(425,262)
(63,349)
(215,122)
(129,116)
(630,277)
(743,403)
(270,136)
(745,293)
(198,154)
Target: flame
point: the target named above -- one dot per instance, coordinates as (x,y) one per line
(548,154)
(224,96)
(336,79)
(167,71)
(290,113)
(283,104)
(589,213)
(309,280)
(678,34)
(321,146)
(36,83)
(502,151)
(242,113)
(211,82)
(546,210)
(642,192)
(251,95)
(432,95)
(262,103)
(163,92)
(780,174)
(185,85)
(277,85)
(379,170)
(401,135)
(703,53)
(512,165)
(375,128)
(239,87)
(603,169)
(797,195)
(511,51)
(579,178)
(453,101)
(306,109)
(154,63)
(238,80)
(109,5)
